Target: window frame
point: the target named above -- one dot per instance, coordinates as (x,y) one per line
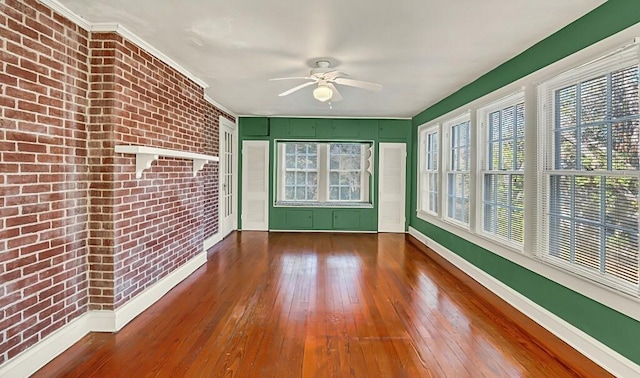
(483,114)
(284,170)
(423,201)
(447,169)
(323,164)
(364,176)
(547,155)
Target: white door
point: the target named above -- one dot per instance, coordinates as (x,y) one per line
(255,185)
(391,187)
(228,197)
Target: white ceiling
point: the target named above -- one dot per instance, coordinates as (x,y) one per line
(420,50)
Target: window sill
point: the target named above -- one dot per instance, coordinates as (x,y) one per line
(333,205)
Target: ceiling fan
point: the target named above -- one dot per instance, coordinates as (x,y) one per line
(326,77)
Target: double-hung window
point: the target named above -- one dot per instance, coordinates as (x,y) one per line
(502,162)
(301,172)
(591,166)
(458,174)
(313,173)
(428,180)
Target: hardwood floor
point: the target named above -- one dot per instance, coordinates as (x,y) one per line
(317,305)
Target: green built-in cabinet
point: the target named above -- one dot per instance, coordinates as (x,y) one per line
(324,130)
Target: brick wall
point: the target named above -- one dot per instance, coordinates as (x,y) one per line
(78,230)
(43,174)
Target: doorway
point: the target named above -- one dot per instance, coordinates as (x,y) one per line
(227,194)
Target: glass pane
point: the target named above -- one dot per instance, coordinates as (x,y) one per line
(290,161)
(625,145)
(334,178)
(289,193)
(517,191)
(290,148)
(494,126)
(622,255)
(622,203)
(588,241)
(561,195)
(490,188)
(624,92)
(345,193)
(593,100)
(520,120)
(300,193)
(494,156)
(517,226)
(593,147)
(507,155)
(290,178)
(508,122)
(301,178)
(502,228)
(312,148)
(502,189)
(334,162)
(588,197)
(560,238)
(566,149)
(333,193)
(566,103)
(312,162)
(312,193)
(301,148)
(490,215)
(519,155)
(312,179)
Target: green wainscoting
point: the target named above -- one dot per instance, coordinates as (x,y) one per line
(324,130)
(620,332)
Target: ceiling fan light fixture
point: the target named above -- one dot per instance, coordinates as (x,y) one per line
(322,93)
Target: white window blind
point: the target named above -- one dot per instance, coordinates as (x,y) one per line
(590,170)
(458,186)
(503,169)
(428,181)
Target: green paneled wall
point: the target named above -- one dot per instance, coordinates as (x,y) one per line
(323,129)
(610,327)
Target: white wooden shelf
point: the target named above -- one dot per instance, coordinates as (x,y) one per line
(145,156)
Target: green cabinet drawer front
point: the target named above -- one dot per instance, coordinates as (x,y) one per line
(345,128)
(299,219)
(346,219)
(393,128)
(302,128)
(254,126)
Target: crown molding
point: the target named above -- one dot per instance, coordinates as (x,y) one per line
(219,106)
(57,7)
(112,27)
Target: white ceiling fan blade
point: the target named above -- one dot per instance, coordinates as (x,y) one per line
(358,84)
(296,88)
(292,78)
(335,74)
(336,94)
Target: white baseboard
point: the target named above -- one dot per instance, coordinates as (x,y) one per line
(144,300)
(211,241)
(601,354)
(32,359)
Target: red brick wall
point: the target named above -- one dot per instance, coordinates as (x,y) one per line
(78,230)
(43,174)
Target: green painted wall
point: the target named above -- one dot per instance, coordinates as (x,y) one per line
(610,327)
(322,129)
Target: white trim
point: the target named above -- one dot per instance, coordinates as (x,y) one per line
(324,231)
(144,300)
(211,241)
(322,117)
(32,359)
(146,155)
(101,321)
(62,10)
(112,27)
(221,107)
(604,356)
(222,121)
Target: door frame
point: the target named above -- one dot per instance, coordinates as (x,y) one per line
(403,183)
(222,121)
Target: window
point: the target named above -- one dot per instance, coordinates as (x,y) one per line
(591,170)
(301,172)
(428,180)
(502,173)
(458,190)
(312,172)
(345,171)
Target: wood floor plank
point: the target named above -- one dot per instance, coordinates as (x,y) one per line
(321,305)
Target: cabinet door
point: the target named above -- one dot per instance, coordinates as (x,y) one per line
(255,185)
(391,187)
